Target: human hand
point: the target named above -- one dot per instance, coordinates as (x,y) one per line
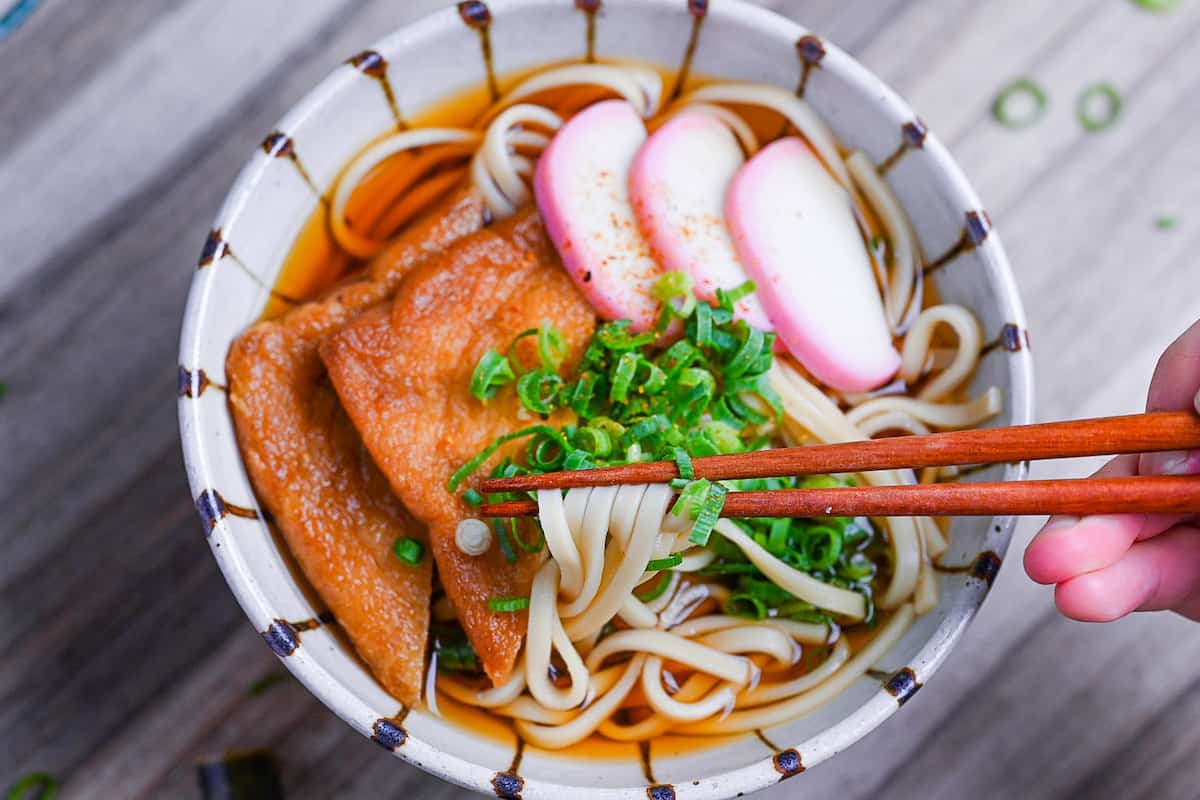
(1107,565)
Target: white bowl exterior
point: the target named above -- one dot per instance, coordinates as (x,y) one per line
(270,201)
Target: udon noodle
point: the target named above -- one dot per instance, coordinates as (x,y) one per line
(601,656)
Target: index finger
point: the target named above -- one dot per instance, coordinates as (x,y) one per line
(1175,386)
(1176,378)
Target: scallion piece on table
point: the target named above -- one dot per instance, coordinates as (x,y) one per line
(1006,108)
(264,684)
(1098,107)
(1158,6)
(34,786)
(240,776)
(508,604)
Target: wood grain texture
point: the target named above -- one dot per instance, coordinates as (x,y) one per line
(125,656)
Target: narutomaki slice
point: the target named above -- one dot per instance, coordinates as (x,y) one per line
(582,191)
(794,229)
(678,186)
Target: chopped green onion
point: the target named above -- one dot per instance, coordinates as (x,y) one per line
(821,547)
(746,606)
(765,590)
(704,325)
(677,357)
(266,682)
(473,497)
(508,604)
(683,463)
(453,649)
(34,786)
(545,453)
(679,483)
(511,352)
(1093,119)
(726,298)
(651,426)
(701,388)
(746,355)
(552,346)
(506,545)
(578,459)
(670,562)
(709,514)
(655,380)
(860,568)
(777,539)
(492,372)
(800,611)
(723,435)
(238,775)
(475,463)
(529,547)
(656,591)
(692,498)
(727,568)
(820,482)
(1162,223)
(615,336)
(593,441)
(699,443)
(671,287)
(743,411)
(581,394)
(627,366)
(1020,90)
(1158,6)
(409,550)
(539,389)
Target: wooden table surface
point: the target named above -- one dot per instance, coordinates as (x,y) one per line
(125,657)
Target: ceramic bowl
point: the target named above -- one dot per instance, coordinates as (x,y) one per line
(279,188)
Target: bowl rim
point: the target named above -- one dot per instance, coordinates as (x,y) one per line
(871,712)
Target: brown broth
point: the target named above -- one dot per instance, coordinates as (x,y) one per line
(316,263)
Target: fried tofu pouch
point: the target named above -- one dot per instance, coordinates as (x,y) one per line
(312,473)
(403,375)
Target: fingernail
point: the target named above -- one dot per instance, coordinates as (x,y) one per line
(1060,522)
(1175,462)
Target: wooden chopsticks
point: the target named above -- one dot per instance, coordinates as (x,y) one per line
(1138,433)
(1158,494)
